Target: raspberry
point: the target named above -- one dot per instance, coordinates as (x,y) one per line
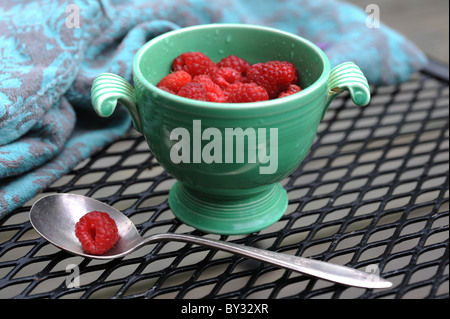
(274,76)
(213,92)
(194,91)
(194,63)
(220,81)
(236,63)
(173,82)
(230,75)
(245,92)
(291,89)
(97,232)
(168,90)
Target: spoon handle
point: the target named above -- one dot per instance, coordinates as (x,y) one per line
(332,272)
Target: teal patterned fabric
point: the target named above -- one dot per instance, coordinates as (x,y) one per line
(50,52)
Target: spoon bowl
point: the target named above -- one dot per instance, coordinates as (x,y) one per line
(54,218)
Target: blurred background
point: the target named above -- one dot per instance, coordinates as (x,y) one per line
(426,23)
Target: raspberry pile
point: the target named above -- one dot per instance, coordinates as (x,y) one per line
(97,232)
(232,80)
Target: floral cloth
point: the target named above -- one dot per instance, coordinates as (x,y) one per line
(51,51)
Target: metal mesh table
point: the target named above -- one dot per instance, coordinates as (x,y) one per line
(372,194)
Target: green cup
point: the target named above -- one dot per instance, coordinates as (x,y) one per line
(228,159)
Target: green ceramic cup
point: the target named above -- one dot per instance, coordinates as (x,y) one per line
(228,159)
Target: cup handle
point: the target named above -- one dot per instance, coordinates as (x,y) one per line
(348,77)
(107,90)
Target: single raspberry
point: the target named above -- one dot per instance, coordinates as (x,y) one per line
(194,63)
(245,92)
(97,232)
(274,76)
(291,89)
(230,75)
(213,92)
(236,63)
(168,90)
(175,81)
(194,91)
(220,81)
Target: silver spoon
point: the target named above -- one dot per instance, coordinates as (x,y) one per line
(54,218)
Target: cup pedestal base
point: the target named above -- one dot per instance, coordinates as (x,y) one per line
(228,212)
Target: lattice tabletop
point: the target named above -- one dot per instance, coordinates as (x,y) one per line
(372,194)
